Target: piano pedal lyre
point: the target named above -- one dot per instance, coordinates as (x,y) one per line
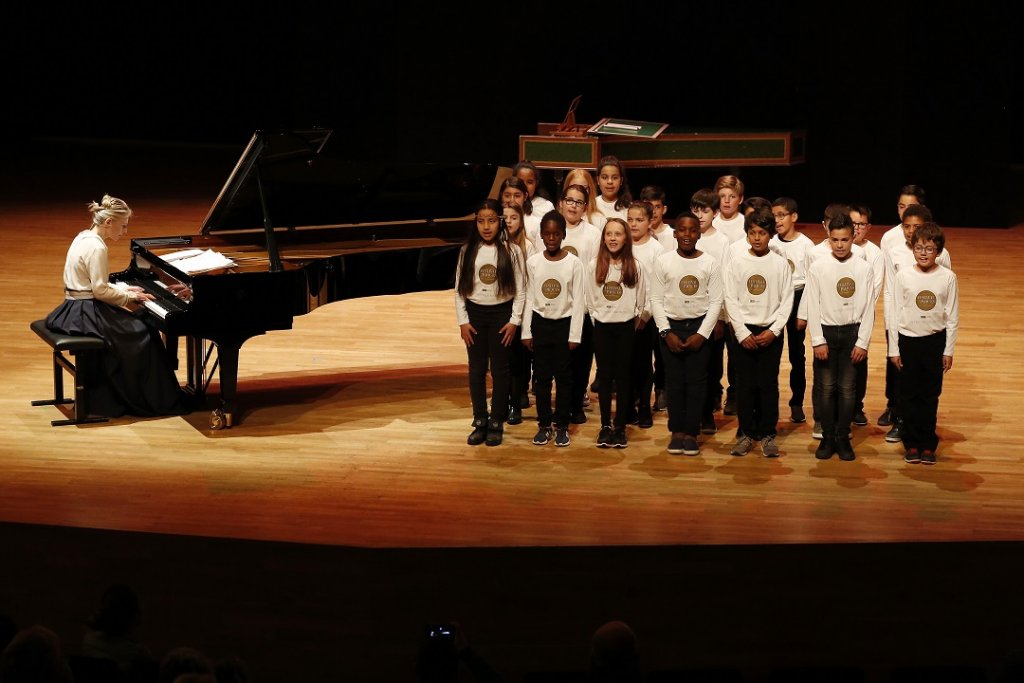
(220,420)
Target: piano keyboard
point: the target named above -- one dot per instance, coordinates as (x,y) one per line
(165,302)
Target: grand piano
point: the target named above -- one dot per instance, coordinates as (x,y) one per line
(304,227)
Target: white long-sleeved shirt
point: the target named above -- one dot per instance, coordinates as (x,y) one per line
(897,259)
(794,251)
(86,271)
(608,208)
(758,291)
(582,240)
(924,304)
(485,282)
(531,224)
(820,251)
(540,206)
(893,237)
(647,253)
(666,236)
(555,290)
(613,302)
(714,245)
(873,255)
(731,228)
(685,288)
(840,293)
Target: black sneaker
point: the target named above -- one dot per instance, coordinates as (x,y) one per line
(561,437)
(912,456)
(690,446)
(646,419)
(619,439)
(604,438)
(894,435)
(797,416)
(860,419)
(542,437)
(675,445)
(825,449)
(479,433)
(845,449)
(730,406)
(885,419)
(660,400)
(515,415)
(707,425)
(927,457)
(578,417)
(494,432)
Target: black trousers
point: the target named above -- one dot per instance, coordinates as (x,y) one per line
(757,391)
(686,378)
(835,381)
(582,362)
(716,356)
(552,363)
(920,386)
(643,368)
(797,358)
(487,350)
(613,346)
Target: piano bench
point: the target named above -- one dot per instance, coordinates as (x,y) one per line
(86,352)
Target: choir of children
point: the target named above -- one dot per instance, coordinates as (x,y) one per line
(730,270)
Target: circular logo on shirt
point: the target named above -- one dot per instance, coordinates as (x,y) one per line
(551,288)
(612,291)
(488,274)
(688,285)
(792,266)
(571,249)
(925,300)
(846,287)
(756,284)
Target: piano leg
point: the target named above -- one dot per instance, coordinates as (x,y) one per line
(226,416)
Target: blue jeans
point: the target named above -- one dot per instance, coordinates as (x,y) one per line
(835,381)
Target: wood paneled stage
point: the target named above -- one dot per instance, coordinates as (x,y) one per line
(354,428)
(347,493)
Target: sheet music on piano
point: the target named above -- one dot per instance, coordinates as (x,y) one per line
(198,260)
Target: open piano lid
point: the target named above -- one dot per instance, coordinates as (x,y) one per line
(296,179)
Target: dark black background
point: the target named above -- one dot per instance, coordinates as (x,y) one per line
(890,95)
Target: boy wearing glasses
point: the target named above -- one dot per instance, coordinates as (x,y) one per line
(893,237)
(860,214)
(793,245)
(923,319)
(901,258)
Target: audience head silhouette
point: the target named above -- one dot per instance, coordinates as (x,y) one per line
(183,660)
(34,656)
(614,654)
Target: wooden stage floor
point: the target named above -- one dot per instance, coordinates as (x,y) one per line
(354,428)
(346,510)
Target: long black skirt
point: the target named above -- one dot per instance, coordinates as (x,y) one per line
(134,376)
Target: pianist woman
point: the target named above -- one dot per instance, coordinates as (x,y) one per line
(134,376)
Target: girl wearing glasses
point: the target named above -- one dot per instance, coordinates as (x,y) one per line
(581,176)
(581,239)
